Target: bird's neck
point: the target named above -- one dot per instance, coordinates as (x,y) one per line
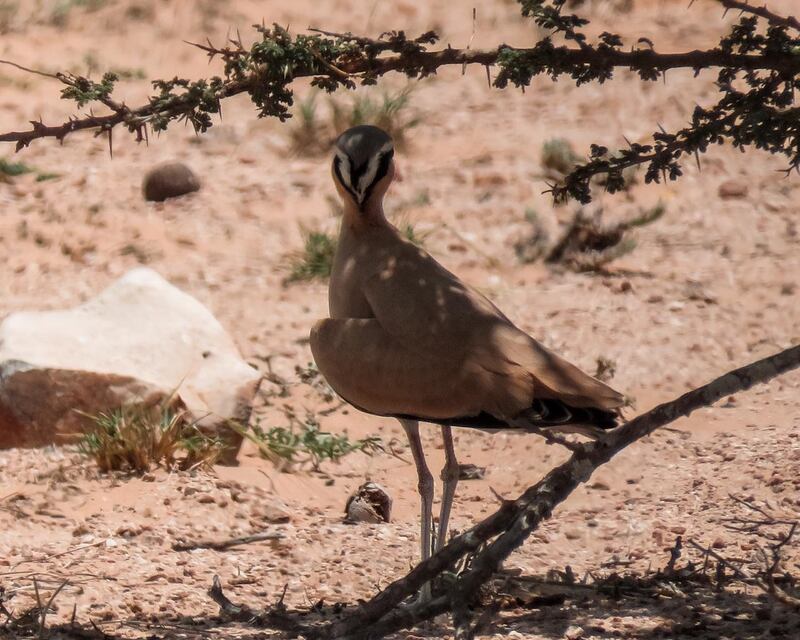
(371,215)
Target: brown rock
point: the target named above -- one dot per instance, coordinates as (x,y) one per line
(273,511)
(169,180)
(733,189)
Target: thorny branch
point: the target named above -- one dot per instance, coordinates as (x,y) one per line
(759,71)
(490,542)
(762,12)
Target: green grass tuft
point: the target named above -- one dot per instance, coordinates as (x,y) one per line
(136,438)
(288,448)
(558,156)
(59,16)
(315,260)
(13,169)
(9,169)
(389,112)
(314,129)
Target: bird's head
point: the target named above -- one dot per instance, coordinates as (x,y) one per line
(363,166)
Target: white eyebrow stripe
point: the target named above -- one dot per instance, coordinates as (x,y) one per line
(368,176)
(344,166)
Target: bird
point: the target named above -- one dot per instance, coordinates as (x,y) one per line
(408,339)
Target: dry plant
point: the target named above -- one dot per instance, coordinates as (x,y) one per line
(586,244)
(589,245)
(61,10)
(558,157)
(8,13)
(137,437)
(32,622)
(769,534)
(314,131)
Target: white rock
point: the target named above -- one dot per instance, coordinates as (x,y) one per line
(140,340)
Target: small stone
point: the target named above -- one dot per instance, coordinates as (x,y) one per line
(695,290)
(732,189)
(678,529)
(469,471)
(169,180)
(129,530)
(574,633)
(273,512)
(370,503)
(719,543)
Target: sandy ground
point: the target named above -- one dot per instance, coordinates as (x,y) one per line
(711,286)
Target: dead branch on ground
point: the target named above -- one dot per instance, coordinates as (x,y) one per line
(222,545)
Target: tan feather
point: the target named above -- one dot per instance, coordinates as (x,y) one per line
(434,347)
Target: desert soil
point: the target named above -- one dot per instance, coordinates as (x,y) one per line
(711,286)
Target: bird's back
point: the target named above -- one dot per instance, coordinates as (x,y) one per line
(431,346)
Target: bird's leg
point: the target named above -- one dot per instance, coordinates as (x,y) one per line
(425,487)
(450,473)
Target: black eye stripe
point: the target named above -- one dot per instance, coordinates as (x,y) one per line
(383,169)
(357,172)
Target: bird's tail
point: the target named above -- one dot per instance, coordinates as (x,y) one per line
(546,414)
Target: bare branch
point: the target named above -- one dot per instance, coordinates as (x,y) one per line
(762,12)
(29,70)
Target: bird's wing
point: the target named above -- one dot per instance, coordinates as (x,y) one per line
(378,373)
(428,311)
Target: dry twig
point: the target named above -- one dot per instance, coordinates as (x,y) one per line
(222,545)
